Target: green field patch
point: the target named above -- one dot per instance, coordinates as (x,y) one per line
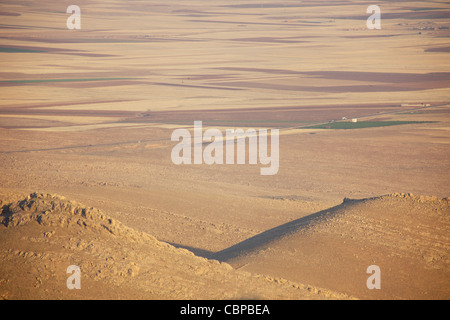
(19,50)
(362,124)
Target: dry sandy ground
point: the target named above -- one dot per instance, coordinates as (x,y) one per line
(406,236)
(207,209)
(43,234)
(88,114)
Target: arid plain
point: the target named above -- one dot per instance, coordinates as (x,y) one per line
(86,118)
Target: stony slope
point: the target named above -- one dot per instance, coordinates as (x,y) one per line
(41,235)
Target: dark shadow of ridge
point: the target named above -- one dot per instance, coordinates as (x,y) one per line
(262,240)
(197,251)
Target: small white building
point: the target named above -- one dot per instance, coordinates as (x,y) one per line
(354,120)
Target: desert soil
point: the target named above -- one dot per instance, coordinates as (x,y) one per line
(86,176)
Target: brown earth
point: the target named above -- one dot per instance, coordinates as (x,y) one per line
(151,67)
(42,235)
